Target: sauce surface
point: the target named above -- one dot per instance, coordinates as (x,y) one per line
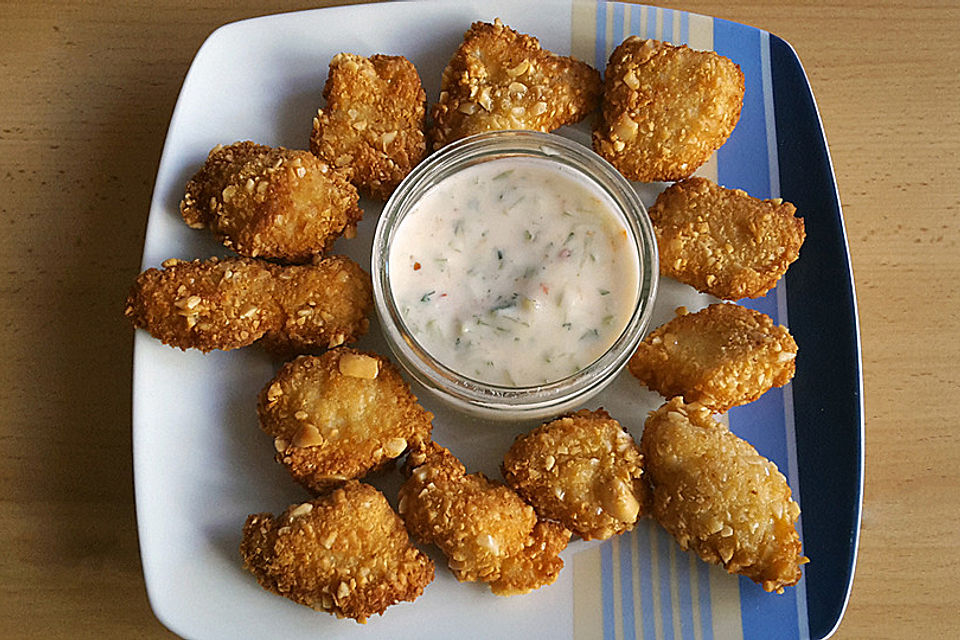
(515,272)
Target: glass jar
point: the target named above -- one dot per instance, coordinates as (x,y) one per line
(500,401)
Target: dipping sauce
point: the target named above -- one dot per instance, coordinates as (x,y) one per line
(515,272)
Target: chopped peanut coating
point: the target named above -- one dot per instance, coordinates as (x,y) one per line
(340,416)
(716,495)
(723,356)
(233,302)
(582,470)
(723,241)
(486,531)
(372,126)
(346,553)
(278,204)
(666,109)
(500,79)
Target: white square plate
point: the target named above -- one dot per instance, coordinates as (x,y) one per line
(202,464)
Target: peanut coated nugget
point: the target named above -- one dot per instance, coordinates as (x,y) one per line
(372,126)
(716,495)
(666,109)
(271,203)
(722,356)
(233,302)
(500,79)
(723,241)
(486,531)
(339,416)
(322,305)
(346,553)
(582,470)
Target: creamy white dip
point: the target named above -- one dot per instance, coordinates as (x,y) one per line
(515,272)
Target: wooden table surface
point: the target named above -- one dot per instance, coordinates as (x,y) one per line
(86,92)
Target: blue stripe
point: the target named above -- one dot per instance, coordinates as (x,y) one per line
(684,28)
(664,542)
(635,14)
(743,159)
(606,573)
(651,21)
(683,593)
(667,25)
(626,588)
(600,46)
(703,588)
(646,580)
(743,163)
(618,10)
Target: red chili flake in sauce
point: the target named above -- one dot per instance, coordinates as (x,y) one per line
(416,266)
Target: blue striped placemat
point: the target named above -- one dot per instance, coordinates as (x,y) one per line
(641,585)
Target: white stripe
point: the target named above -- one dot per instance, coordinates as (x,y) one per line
(617,589)
(700,37)
(658,621)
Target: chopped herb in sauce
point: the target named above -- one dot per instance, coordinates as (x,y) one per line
(557,269)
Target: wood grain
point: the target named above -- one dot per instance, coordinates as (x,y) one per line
(88,89)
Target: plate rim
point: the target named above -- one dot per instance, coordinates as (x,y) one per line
(156,202)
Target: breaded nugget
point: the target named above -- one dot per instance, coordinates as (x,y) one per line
(582,470)
(666,109)
(233,302)
(500,79)
(322,305)
(270,203)
(716,495)
(372,126)
(722,356)
(486,531)
(346,553)
(339,416)
(723,241)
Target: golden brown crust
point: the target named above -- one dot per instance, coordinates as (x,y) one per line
(716,495)
(346,553)
(233,302)
(273,203)
(500,79)
(723,241)
(582,470)
(322,305)
(340,416)
(486,531)
(722,356)
(372,126)
(666,109)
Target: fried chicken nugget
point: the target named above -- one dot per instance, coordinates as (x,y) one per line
(231,303)
(340,416)
(321,305)
(723,241)
(722,356)
(500,79)
(486,531)
(372,126)
(716,495)
(262,202)
(666,109)
(346,553)
(582,470)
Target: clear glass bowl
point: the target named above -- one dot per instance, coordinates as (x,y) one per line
(521,402)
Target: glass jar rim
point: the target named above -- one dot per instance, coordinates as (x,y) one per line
(491,399)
